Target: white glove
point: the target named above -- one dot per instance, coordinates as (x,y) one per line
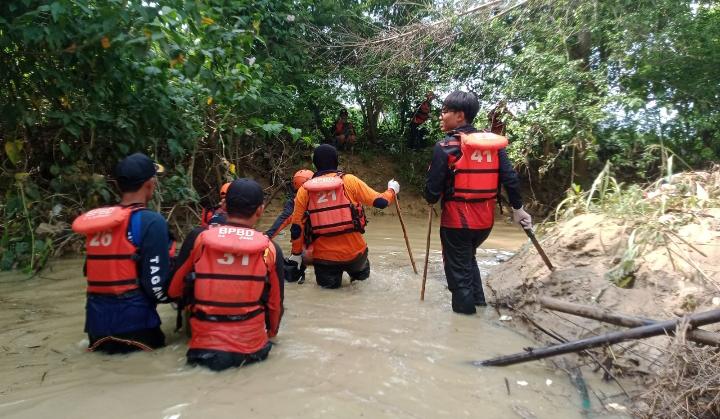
(296,259)
(394,185)
(521,217)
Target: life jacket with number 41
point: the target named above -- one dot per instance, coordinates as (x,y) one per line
(330,212)
(475,174)
(231,275)
(111,258)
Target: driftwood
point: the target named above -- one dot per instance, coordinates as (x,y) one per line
(665,327)
(607,316)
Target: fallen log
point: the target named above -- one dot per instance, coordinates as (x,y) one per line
(604,315)
(665,327)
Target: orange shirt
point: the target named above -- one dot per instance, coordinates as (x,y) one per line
(343,247)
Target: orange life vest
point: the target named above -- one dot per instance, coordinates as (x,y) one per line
(330,212)
(476,172)
(231,274)
(111,257)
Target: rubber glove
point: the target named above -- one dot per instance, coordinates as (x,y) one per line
(394,185)
(296,259)
(521,217)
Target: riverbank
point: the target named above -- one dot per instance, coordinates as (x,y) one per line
(659,259)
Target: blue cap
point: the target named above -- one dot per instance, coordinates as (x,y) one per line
(136,169)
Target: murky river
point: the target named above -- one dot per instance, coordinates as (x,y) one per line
(370,349)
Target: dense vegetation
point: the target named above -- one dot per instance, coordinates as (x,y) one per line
(222,88)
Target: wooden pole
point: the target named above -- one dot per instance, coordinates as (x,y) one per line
(427,252)
(407,242)
(664,327)
(604,315)
(535,243)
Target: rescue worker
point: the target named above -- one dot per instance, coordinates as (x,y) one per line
(215,215)
(343,130)
(416,138)
(229,277)
(127,265)
(283,220)
(464,172)
(329,215)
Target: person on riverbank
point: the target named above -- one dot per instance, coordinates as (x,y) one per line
(343,131)
(329,215)
(127,265)
(416,137)
(230,278)
(216,214)
(464,172)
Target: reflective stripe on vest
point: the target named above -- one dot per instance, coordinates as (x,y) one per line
(330,212)
(111,257)
(231,274)
(476,172)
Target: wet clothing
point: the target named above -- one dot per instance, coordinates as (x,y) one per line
(283,220)
(329,275)
(464,226)
(131,319)
(221,360)
(341,248)
(461,268)
(229,333)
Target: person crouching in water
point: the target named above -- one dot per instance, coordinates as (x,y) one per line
(127,267)
(293,273)
(465,170)
(329,215)
(236,296)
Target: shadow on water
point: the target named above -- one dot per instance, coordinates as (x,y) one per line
(369,349)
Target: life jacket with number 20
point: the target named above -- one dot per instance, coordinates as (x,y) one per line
(476,172)
(230,275)
(111,257)
(330,212)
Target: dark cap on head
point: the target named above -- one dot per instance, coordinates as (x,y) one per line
(243,197)
(325,158)
(134,170)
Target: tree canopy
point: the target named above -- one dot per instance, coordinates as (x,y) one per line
(222,88)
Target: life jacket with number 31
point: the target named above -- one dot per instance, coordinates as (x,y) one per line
(330,212)
(230,275)
(476,172)
(111,257)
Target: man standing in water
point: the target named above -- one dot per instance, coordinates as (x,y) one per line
(236,296)
(127,264)
(464,172)
(329,214)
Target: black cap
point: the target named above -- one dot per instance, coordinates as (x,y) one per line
(135,169)
(325,158)
(244,196)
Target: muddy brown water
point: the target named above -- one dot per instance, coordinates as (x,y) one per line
(370,349)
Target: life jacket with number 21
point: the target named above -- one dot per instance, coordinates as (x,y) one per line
(111,257)
(330,212)
(476,172)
